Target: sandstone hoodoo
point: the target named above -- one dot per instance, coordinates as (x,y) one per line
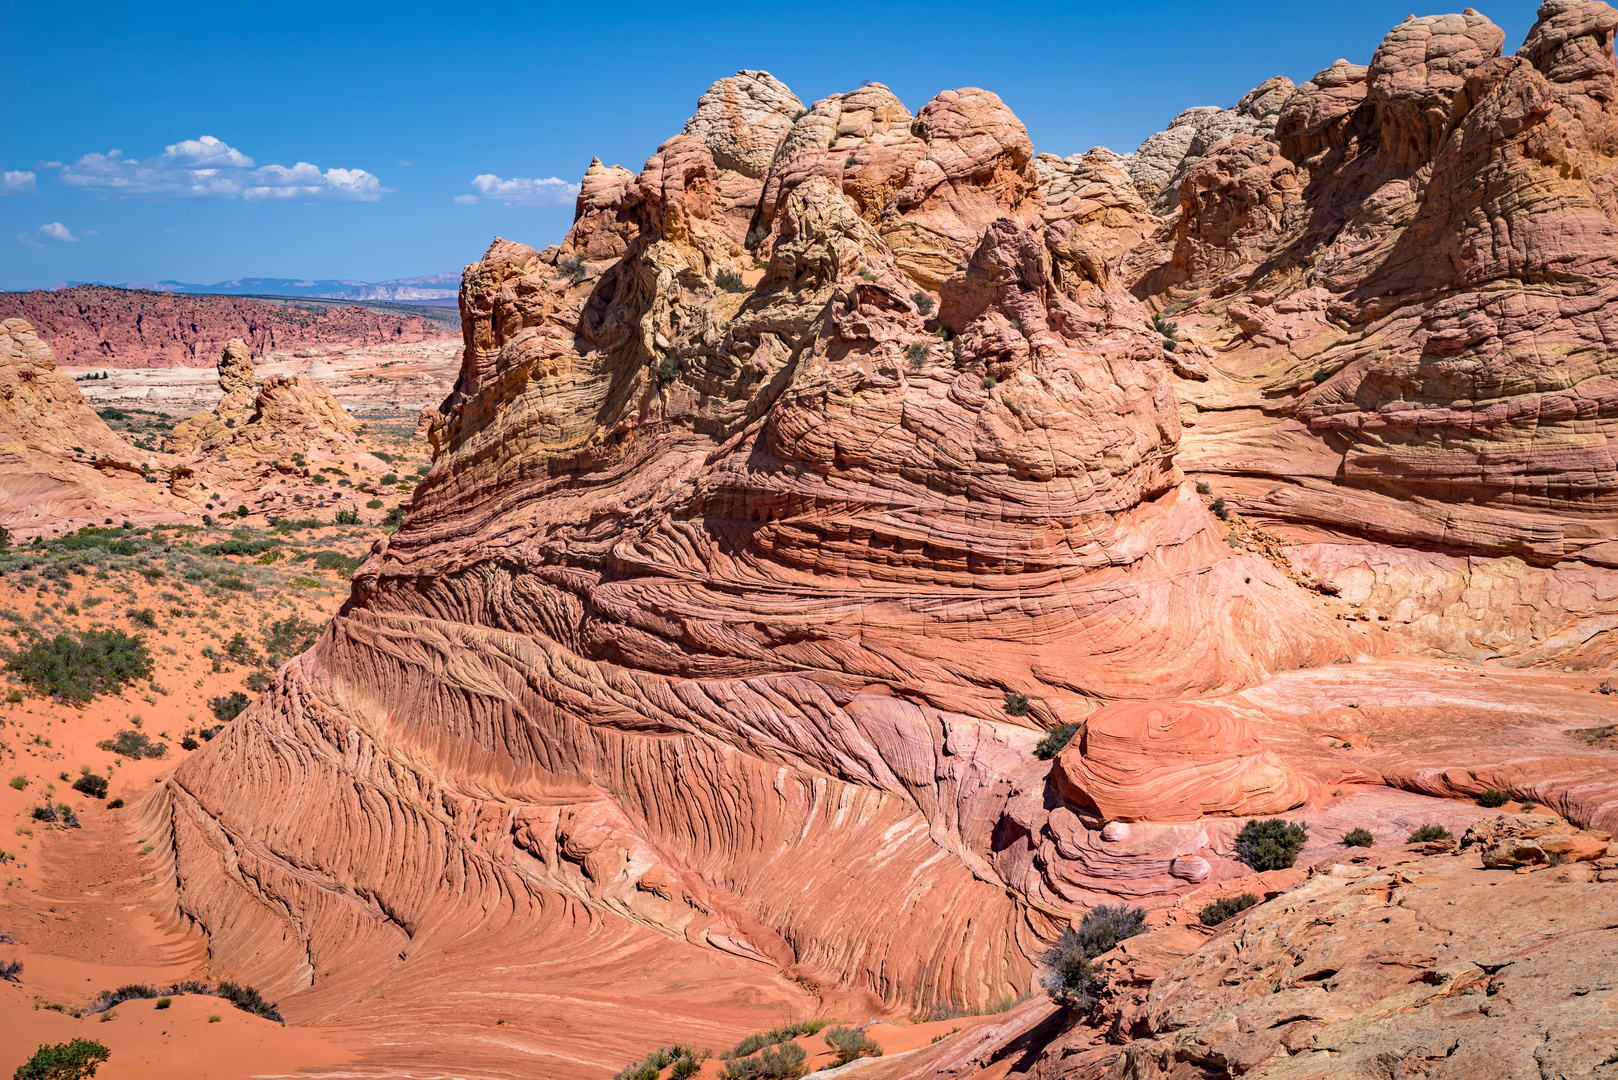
(835,457)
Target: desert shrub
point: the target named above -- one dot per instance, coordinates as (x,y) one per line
(10,969)
(1058,737)
(1428,833)
(5,538)
(14,697)
(760,1039)
(1493,798)
(19,782)
(851,1044)
(1220,510)
(923,302)
(80,667)
(756,236)
(917,353)
(729,281)
(290,636)
(133,745)
(144,617)
(1203,488)
(373,504)
(163,1003)
(1071,980)
(235,583)
(1359,838)
(989,382)
(92,784)
(229,706)
(240,650)
(76,1060)
(685,1060)
(1321,376)
(1104,927)
(336,560)
(238,547)
(571,267)
(666,370)
(1225,907)
(786,1061)
(116,804)
(1016,704)
(346,516)
(1271,844)
(248,999)
(189,743)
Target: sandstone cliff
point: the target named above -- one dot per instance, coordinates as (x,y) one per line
(834,456)
(94,325)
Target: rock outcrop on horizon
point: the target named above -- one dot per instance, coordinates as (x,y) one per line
(835,456)
(101,326)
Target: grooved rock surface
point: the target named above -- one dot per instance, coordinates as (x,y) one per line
(132,328)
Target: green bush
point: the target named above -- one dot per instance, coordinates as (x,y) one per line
(1271,844)
(134,745)
(394,518)
(666,370)
(923,302)
(347,516)
(1226,907)
(1220,510)
(288,637)
(917,353)
(1493,798)
(92,784)
(240,650)
(685,1060)
(1104,927)
(76,1060)
(755,237)
(851,1044)
(1072,980)
(239,547)
(389,479)
(1429,833)
(1203,488)
(80,667)
(1359,838)
(729,281)
(1058,737)
(143,617)
(1016,704)
(19,782)
(760,1039)
(373,504)
(248,999)
(784,1062)
(571,267)
(116,804)
(229,707)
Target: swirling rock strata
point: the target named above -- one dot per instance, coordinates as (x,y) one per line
(705,624)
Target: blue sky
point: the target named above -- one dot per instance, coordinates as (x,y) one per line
(342,134)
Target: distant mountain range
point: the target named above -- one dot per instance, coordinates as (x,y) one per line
(432,287)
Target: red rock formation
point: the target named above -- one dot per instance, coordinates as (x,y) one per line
(130,328)
(61,467)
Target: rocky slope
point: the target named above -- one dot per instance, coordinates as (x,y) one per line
(835,455)
(134,328)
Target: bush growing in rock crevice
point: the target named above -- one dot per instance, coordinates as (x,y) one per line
(1225,907)
(1055,739)
(1072,979)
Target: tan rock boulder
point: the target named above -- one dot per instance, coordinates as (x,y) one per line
(1533,840)
(1171,762)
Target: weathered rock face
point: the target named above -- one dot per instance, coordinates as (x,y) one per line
(704,580)
(60,465)
(123,328)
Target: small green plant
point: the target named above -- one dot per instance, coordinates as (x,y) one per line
(1220,510)
(666,370)
(1225,907)
(786,1061)
(214,1018)
(989,382)
(1428,833)
(1016,704)
(760,1039)
(1203,488)
(1103,927)
(1054,740)
(393,518)
(756,236)
(143,617)
(851,1044)
(1554,858)
(347,516)
(1492,798)
(134,745)
(1170,332)
(373,504)
(1529,808)
(19,782)
(189,743)
(78,668)
(729,281)
(1271,844)
(923,302)
(1071,979)
(163,1003)
(249,1000)
(76,1060)
(229,706)
(571,267)
(14,697)
(10,970)
(917,353)
(116,804)
(92,784)
(1359,838)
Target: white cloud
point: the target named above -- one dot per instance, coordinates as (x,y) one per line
(50,165)
(208,168)
(53,231)
(466,200)
(405,163)
(525,194)
(16,183)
